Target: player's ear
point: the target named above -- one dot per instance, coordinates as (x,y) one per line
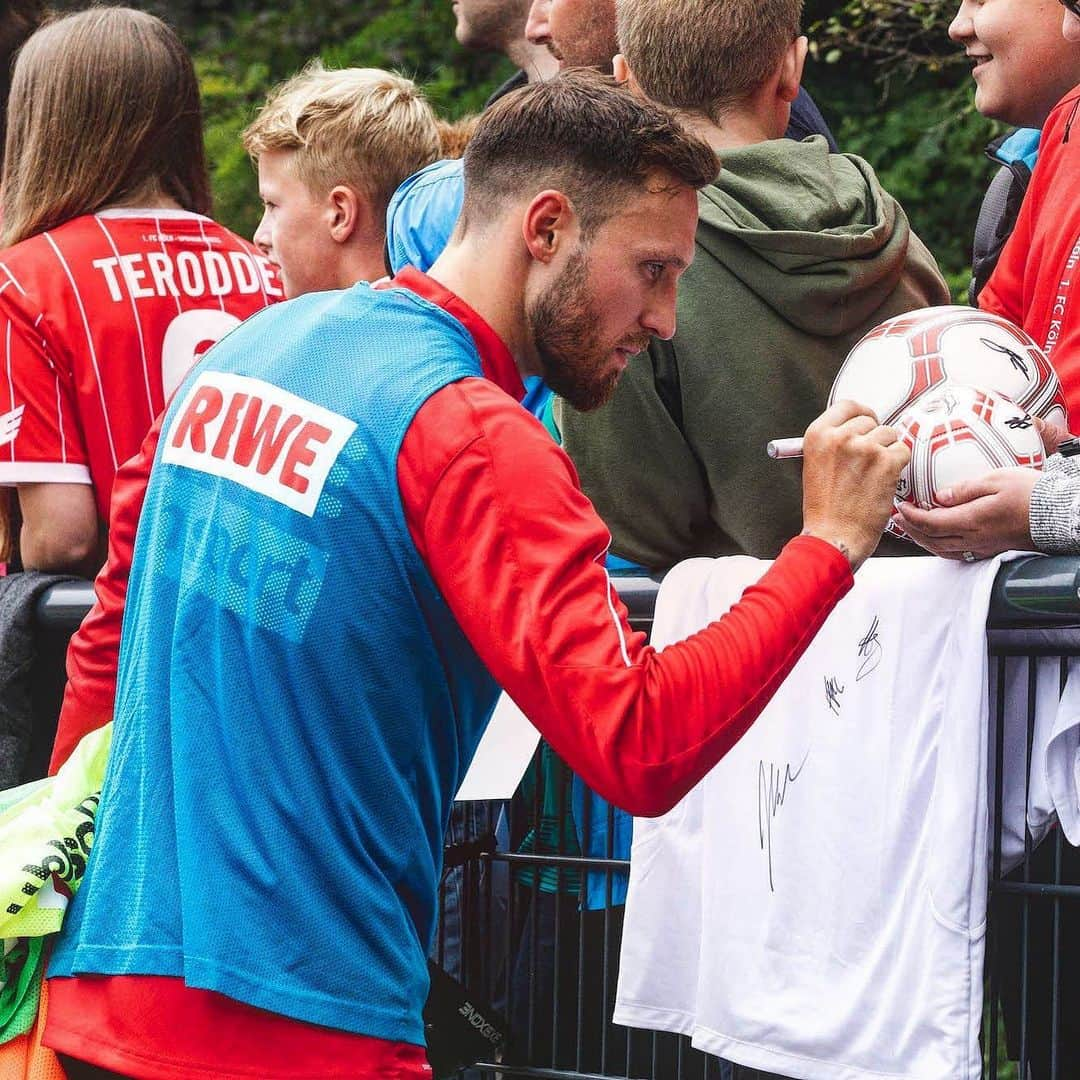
(549,225)
(791,68)
(624,74)
(346,210)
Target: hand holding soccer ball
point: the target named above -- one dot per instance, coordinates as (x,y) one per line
(962,433)
(970,395)
(981,517)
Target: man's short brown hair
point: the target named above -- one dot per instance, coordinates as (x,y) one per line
(703,56)
(585,135)
(364,127)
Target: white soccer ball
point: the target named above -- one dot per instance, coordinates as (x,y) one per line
(912,355)
(962,433)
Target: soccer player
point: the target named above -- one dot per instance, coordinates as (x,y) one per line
(299,700)
(330,148)
(115,280)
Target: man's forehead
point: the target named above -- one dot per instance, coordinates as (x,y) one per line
(662,195)
(660,222)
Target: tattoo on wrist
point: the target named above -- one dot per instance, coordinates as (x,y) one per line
(838,544)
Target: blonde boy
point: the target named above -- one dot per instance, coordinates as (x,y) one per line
(331,147)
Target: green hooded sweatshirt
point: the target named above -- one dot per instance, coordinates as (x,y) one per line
(799,253)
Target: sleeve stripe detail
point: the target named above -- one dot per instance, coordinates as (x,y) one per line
(611,608)
(90,345)
(11,279)
(43,472)
(60,424)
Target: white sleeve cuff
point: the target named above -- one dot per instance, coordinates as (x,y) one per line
(42,472)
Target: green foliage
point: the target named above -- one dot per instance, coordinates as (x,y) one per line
(899,94)
(885,74)
(242,50)
(908,36)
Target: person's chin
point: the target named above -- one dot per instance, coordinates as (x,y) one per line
(983,77)
(987,103)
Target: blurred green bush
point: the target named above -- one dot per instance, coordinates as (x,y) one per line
(892,86)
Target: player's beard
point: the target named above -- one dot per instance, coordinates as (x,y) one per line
(563,320)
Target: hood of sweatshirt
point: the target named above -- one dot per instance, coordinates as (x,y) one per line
(812,233)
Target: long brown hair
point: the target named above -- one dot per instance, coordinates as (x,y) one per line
(104,108)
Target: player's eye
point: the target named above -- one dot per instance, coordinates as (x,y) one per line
(654,270)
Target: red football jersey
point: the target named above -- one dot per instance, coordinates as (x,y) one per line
(100,319)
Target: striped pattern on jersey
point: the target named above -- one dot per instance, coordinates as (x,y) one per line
(100,319)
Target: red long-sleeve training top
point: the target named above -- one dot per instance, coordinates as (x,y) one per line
(517,551)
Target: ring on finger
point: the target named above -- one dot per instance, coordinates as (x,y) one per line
(968,556)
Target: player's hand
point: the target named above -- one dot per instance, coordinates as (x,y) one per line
(1052,435)
(850,468)
(981,517)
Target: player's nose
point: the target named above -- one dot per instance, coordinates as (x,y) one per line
(537,29)
(659,317)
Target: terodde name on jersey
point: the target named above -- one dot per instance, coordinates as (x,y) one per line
(195,274)
(258,435)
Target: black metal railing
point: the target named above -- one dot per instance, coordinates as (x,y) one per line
(511,926)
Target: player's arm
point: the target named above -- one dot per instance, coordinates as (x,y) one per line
(41,447)
(60,529)
(528,587)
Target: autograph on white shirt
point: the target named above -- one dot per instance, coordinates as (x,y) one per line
(772,791)
(869,651)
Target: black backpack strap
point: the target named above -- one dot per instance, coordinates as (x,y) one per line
(997,219)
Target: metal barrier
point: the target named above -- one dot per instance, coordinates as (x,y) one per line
(511,929)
